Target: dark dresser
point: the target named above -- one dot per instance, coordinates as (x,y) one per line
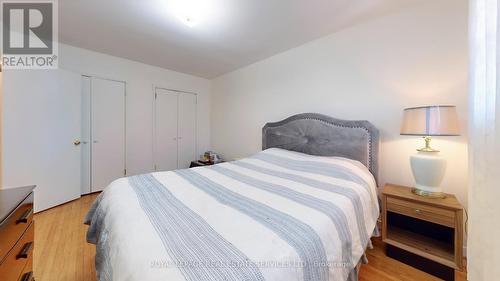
(16,234)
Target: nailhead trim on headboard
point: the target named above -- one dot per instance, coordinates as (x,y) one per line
(372,133)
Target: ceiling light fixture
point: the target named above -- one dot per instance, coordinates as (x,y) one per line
(190,12)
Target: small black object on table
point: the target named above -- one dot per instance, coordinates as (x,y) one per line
(199,163)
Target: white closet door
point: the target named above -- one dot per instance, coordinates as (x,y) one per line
(187,130)
(166,130)
(108,132)
(85,136)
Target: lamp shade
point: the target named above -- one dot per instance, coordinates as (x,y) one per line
(436,120)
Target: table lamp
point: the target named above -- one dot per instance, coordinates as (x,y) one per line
(427,165)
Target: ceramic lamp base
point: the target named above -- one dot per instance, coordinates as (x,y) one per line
(428,169)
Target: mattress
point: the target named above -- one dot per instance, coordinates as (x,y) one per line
(277,215)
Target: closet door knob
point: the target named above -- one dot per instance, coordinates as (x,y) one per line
(77,142)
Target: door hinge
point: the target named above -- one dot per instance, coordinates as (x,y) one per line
(156,95)
(125,172)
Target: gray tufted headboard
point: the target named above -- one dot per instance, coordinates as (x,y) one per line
(318,134)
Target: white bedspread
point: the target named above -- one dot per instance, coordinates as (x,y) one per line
(277,215)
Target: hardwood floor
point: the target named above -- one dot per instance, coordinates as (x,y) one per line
(61,253)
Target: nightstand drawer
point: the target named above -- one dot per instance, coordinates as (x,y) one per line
(421,211)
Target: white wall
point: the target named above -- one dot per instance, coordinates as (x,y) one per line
(140,79)
(371,71)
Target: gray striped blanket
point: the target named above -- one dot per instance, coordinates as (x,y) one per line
(277,215)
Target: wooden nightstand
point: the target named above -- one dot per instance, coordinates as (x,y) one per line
(423,232)
(199,163)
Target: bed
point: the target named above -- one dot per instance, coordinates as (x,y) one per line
(304,208)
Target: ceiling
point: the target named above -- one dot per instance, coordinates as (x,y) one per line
(232,34)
